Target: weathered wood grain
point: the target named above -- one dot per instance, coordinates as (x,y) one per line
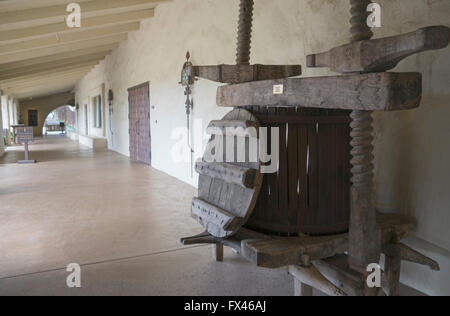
(215,219)
(381,54)
(302,289)
(228,172)
(279,252)
(217,251)
(312,277)
(392,267)
(232,74)
(338,272)
(233,198)
(367,92)
(239,128)
(406,253)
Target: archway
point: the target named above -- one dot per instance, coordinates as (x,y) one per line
(60,121)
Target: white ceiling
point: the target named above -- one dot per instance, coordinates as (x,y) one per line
(40,55)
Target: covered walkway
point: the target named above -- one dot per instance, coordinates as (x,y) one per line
(119,220)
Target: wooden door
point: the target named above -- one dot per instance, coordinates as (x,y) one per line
(139,117)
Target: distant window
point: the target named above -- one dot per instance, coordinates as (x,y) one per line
(97,103)
(32,118)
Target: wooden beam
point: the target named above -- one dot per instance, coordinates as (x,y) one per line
(61,27)
(233,128)
(217,251)
(65,58)
(367,92)
(95,6)
(213,218)
(245,73)
(65,48)
(312,277)
(381,54)
(405,253)
(64,38)
(45,82)
(392,267)
(36,91)
(48,74)
(302,289)
(279,252)
(229,173)
(338,272)
(48,69)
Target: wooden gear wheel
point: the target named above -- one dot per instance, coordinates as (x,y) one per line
(228,189)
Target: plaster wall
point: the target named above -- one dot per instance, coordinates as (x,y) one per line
(44,106)
(412,149)
(2,143)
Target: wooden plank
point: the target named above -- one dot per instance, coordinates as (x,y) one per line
(279,252)
(213,218)
(302,172)
(392,267)
(283,184)
(203,238)
(228,172)
(220,190)
(233,128)
(338,272)
(302,289)
(395,227)
(367,92)
(293,178)
(381,54)
(217,251)
(232,74)
(312,277)
(405,253)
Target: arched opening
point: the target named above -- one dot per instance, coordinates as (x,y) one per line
(60,121)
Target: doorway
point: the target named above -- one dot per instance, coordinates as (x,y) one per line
(139,117)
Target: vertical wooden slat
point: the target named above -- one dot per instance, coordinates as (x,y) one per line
(313,174)
(302,147)
(283,178)
(323,212)
(293,173)
(339,171)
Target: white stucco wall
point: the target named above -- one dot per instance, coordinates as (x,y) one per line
(412,148)
(2,143)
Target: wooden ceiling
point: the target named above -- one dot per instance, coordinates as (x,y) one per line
(41,55)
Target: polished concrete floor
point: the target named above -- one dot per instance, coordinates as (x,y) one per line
(120,221)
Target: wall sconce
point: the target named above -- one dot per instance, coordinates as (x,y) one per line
(110,99)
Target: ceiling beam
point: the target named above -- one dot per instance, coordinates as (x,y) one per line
(13,57)
(75,56)
(50,65)
(33,78)
(43,13)
(55,28)
(36,91)
(64,38)
(46,83)
(45,69)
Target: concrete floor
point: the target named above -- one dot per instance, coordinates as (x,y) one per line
(120,221)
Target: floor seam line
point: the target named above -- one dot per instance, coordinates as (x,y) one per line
(103,262)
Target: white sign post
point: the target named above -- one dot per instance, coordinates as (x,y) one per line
(24,136)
